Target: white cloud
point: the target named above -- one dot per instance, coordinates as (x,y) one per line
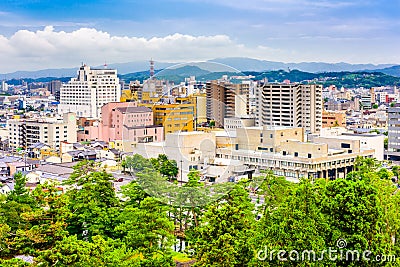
(47,48)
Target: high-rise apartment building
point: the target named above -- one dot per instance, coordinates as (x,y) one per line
(226,99)
(291,105)
(86,94)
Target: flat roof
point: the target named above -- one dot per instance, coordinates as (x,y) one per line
(351,137)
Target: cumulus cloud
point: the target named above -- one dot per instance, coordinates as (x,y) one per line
(48,48)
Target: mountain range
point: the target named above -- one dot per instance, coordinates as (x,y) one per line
(238,63)
(347,79)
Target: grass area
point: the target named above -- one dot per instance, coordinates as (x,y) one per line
(181,257)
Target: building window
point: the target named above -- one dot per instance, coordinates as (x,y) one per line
(309,155)
(296,154)
(345,145)
(271,136)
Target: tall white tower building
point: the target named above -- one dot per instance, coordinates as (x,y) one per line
(292,105)
(4,86)
(86,94)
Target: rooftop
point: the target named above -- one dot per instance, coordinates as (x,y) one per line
(133,110)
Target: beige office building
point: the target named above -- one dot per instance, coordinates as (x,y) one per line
(290,105)
(283,150)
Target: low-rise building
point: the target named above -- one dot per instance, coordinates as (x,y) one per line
(283,151)
(24,133)
(189,149)
(333,119)
(123,123)
(233,123)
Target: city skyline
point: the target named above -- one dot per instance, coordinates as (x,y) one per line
(54,34)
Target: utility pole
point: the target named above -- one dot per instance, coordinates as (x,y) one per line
(181,170)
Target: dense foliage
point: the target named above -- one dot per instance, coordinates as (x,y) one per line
(258,223)
(346,79)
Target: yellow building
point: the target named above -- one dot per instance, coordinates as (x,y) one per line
(200,102)
(333,119)
(150,97)
(174,117)
(128,96)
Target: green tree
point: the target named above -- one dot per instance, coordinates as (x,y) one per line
(137,163)
(297,223)
(383,173)
(222,238)
(74,252)
(165,166)
(193,195)
(135,194)
(44,225)
(146,228)
(396,170)
(354,214)
(93,202)
(273,189)
(20,194)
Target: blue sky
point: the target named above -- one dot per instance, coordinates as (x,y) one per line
(45,34)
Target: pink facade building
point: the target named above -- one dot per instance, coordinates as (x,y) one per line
(123,121)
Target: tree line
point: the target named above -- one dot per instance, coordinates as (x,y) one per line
(271,225)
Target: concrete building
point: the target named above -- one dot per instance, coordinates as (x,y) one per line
(333,119)
(342,104)
(24,133)
(189,149)
(290,105)
(4,86)
(124,124)
(174,117)
(86,94)
(366,101)
(373,142)
(200,102)
(282,150)
(394,133)
(233,123)
(54,88)
(225,99)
